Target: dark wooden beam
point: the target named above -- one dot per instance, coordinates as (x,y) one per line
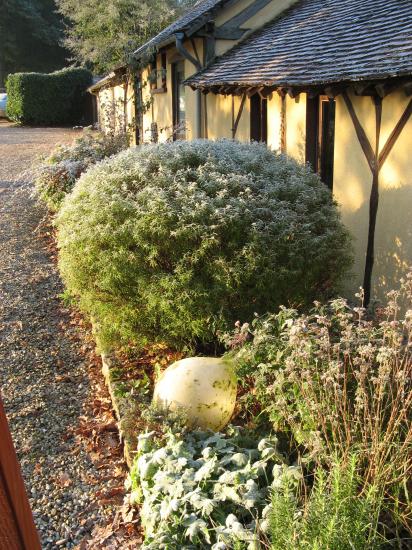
(332,91)
(407,88)
(361,87)
(375,160)
(266,92)
(239,114)
(373,207)
(283,124)
(396,132)
(313,92)
(231,30)
(229,33)
(360,132)
(293,92)
(251,91)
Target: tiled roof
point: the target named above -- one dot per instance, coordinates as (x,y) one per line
(199,10)
(319,42)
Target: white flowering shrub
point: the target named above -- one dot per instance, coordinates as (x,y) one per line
(177,241)
(56,175)
(207,490)
(90,147)
(54,181)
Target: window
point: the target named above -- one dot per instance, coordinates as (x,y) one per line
(163,70)
(258,118)
(320,136)
(139,110)
(153,74)
(179,100)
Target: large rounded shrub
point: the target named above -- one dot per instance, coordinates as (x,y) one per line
(176,241)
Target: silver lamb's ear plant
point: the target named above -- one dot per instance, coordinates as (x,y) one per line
(206,488)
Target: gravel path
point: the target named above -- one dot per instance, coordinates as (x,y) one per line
(44,377)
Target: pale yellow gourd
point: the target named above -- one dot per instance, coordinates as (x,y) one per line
(204,388)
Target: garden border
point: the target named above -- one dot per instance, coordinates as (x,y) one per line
(129,440)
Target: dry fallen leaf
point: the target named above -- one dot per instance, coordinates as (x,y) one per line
(64,479)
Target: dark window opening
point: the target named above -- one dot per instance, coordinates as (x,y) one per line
(139,110)
(163,59)
(258,118)
(179,100)
(153,74)
(320,136)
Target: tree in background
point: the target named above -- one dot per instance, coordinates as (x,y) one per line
(103,35)
(31,32)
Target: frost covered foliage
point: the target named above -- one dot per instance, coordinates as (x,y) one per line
(54,181)
(176,241)
(57,174)
(90,147)
(207,490)
(339,383)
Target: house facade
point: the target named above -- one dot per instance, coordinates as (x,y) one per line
(327,82)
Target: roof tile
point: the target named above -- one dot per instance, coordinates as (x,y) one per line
(319,42)
(200,9)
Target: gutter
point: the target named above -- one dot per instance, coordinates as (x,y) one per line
(102,82)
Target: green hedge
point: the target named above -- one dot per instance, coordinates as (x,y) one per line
(55,98)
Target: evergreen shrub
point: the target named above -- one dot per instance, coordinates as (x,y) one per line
(55,98)
(333,515)
(177,241)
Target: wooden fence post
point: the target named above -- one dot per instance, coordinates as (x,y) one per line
(17,530)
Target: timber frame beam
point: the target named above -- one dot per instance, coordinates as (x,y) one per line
(371,88)
(235,122)
(376,158)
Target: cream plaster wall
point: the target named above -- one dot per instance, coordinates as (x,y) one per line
(130,112)
(119,118)
(148,112)
(219,115)
(111,112)
(219,110)
(352,185)
(106,108)
(161,109)
(296,127)
(266,14)
(191,101)
(274,121)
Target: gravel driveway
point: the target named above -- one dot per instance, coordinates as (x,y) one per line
(44,377)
